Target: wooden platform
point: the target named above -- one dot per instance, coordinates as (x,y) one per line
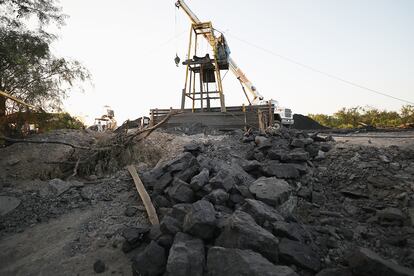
(236,117)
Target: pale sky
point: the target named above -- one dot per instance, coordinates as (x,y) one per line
(128,47)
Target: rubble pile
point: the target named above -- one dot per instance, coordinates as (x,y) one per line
(248,207)
(362,196)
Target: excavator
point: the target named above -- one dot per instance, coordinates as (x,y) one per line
(282,116)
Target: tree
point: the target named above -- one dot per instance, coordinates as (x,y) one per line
(28,69)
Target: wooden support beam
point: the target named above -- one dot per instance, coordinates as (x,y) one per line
(152,214)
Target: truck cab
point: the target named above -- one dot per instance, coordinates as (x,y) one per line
(282,116)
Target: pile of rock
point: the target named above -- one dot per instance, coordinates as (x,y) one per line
(236,218)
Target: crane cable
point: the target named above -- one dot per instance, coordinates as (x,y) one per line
(319,71)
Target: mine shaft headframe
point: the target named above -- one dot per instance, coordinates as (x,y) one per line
(207,69)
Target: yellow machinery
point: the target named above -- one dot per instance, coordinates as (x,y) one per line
(204,70)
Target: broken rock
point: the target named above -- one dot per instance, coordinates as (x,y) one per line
(227,261)
(150,262)
(8,204)
(365,262)
(390,216)
(261,212)
(218,197)
(58,186)
(181,192)
(272,191)
(241,231)
(293,252)
(186,256)
(201,220)
(201,179)
(273,168)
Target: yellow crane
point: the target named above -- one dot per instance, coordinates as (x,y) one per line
(283,116)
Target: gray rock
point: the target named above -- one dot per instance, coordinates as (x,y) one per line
(251,165)
(292,231)
(277,154)
(390,216)
(260,140)
(241,231)
(186,256)
(58,186)
(162,182)
(218,197)
(8,204)
(261,212)
(229,177)
(287,208)
(365,262)
(225,261)
(130,211)
(318,198)
(305,193)
(325,147)
(313,150)
(335,272)
(273,168)
(87,192)
(298,143)
(181,192)
(298,155)
(201,220)
(133,238)
(170,225)
(99,266)
(201,179)
(151,261)
(293,252)
(272,191)
(134,234)
(13,161)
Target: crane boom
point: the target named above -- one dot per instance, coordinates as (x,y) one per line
(233,66)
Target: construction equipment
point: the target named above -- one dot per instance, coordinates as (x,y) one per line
(208,70)
(106,122)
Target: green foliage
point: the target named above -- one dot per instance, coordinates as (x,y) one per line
(28,69)
(357,116)
(59,121)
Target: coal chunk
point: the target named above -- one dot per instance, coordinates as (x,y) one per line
(151,261)
(181,192)
(186,256)
(293,252)
(272,191)
(218,197)
(201,179)
(227,261)
(273,168)
(365,262)
(99,266)
(133,237)
(241,231)
(201,220)
(261,212)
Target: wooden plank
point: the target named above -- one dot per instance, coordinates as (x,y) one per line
(152,214)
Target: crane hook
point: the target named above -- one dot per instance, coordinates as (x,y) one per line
(177,60)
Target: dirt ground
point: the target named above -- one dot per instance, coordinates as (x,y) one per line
(49,234)
(65,234)
(378,139)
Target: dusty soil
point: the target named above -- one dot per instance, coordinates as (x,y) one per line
(65,234)
(403,139)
